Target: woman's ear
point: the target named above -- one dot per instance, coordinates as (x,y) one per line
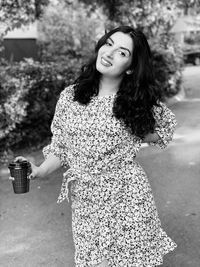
(128,72)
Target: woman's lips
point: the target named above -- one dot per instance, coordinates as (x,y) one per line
(105,62)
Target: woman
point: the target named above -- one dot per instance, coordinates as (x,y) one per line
(98,127)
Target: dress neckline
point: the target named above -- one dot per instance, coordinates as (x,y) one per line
(106,96)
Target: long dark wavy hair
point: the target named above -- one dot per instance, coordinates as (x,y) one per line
(137,92)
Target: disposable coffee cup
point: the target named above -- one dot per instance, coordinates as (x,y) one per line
(20,170)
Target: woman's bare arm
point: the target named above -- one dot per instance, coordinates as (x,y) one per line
(151,137)
(51,164)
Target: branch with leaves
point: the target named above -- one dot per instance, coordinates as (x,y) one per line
(14,13)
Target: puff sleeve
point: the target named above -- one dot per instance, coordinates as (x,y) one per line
(165,125)
(57,146)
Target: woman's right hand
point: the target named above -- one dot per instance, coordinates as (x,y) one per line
(33,172)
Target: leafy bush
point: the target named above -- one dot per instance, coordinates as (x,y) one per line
(168,64)
(28,93)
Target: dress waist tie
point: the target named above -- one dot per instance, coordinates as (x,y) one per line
(75,173)
(70,175)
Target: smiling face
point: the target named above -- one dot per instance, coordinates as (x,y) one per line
(115,56)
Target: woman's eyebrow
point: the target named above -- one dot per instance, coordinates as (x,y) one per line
(120,46)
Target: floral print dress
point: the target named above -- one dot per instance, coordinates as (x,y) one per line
(114,216)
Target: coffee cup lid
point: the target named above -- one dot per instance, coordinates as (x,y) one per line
(19,164)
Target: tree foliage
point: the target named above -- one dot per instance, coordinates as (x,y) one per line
(68,31)
(189,5)
(115,8)
(152,16)
(14,13)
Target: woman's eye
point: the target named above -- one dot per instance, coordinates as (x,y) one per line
(108,43)
(123,54)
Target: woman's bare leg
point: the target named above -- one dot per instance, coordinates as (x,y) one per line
(104,263)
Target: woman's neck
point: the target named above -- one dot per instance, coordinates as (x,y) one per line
(108,86)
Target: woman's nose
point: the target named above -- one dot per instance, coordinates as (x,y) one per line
(110,53)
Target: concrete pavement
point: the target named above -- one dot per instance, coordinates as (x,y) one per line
(174,175)
(35,231)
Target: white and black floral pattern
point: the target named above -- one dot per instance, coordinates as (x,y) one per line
(114,216)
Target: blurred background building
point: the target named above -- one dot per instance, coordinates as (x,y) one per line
(185,27)
(21,43)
